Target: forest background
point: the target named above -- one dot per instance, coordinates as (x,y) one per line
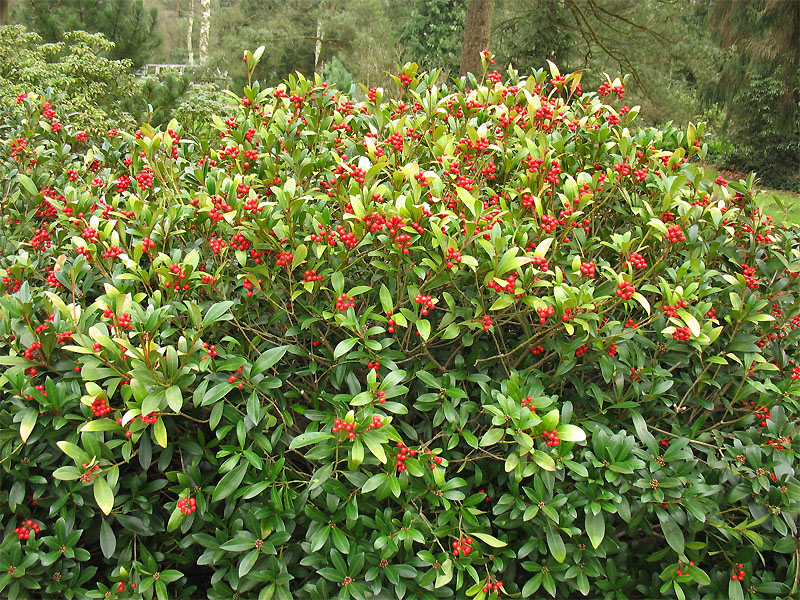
(732,63)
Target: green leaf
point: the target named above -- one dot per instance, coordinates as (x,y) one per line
(375,447)
(556,545)
(595,527)
(571,433)
(344,347)
(489,539)
(672,532)
(424,328)
(28,184)
(228,484)
(309,437)
(373,482)
(103,495)
(735,591)
(160,433)
(268,359)
(502,302)
(67,473)
(28,423)
(75,452)
(215,312)
(108,541)
(100,425)
(174,398)
(386,299)
(443,578)
(337,281)
(175,519)
(248,562)
(492,436)
(544,460)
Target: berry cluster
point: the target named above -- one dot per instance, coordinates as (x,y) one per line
(462,546)
(682,334)
(453,256)
(537,350)
(25,529)
(342,425)
(738,573)
(492,587)
(390,321)
(544,313)
(87,472)
(344,302)
(678,572)
(376,422)
(675,234)
(100,407)
(487,322)
(529,403)
(671,310)
(437,460)
(381,396)
(587,268)
(552,438)
(426,302)
(187,505)
(312,275)
(403,452)
(637,260)
(763,413)
(625,290)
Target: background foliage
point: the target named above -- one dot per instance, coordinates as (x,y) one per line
(567,359)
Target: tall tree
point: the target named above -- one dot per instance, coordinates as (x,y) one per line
(190,32)
(205,30)
(432,33)
(125,22)
(477,34)
(5,12)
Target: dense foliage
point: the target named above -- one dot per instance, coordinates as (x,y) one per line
(469,343)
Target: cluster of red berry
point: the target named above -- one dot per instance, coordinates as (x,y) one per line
(87,472)
(390,321)
(544,313)
(342,425)
(671,310)
(426,302)
(679,572)
(738,575)
(637,260)
(344,302)
(675,234)
(121,587)
(403,452)
(187,505)
(625,290)
(682,334)
(453,256)
(376,422)
(763,413)
(312,275)
(552,438)
(25,529)
(529,403)
(462,546)
(537,350)
(587,268)
(487,322)
(100,407)
(492,587)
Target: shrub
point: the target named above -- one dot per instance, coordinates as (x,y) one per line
(466,343)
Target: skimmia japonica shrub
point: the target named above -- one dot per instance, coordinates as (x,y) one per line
(488,341)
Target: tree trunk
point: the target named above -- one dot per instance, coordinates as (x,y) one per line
(205,27)
(189,33)
(477,33)
(5,12)
(318,46)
